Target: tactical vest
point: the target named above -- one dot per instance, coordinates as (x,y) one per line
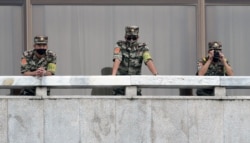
(132,58)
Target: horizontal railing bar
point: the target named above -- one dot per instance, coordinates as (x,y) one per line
(162,81)
(19,81)
(235,81)
(175,81)
(86,81)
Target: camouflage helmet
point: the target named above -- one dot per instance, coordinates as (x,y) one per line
(40,39)
(131,30)
(214,45)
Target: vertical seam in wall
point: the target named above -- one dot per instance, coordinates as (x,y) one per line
(187,121)
(79,119)
(151,122)
(223,120)
(115,121)
(44,121)
(7,113)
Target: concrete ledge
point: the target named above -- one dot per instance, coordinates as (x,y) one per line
(85,81)
(19,81)
(235,81)
(164,81)
(219,83)
(148,97)
(175,81)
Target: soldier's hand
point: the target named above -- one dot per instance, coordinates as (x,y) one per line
(211,55)
(40,71)
(222,57)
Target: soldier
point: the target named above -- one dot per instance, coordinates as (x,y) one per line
(38,61)
(128,57)
(215,64)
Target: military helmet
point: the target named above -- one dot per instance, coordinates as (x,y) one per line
(214,45)
(131,30)
(41,39)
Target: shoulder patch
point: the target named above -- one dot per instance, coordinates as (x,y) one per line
(117,50)
(204,59)
(23,61)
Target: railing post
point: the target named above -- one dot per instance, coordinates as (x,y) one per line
(41,91)
(131,91)
(220,91)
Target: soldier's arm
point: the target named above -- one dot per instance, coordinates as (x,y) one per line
(149,62)
(116,65)
(151,67)
(228,68)
(29,73)
(51,67)
(202,69)
(25,70)
(117,58)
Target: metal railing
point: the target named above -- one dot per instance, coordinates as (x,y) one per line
(219,83)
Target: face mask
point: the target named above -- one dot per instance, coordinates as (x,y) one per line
(41,51)
(132,37)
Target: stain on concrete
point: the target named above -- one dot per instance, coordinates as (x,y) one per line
(8,81)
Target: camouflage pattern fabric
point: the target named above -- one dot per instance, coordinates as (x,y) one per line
(214,69)
(30,62)
(131,30)
(131,57)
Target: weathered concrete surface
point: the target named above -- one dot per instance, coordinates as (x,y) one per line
(237,121)
(25,121)
(121,120)
(3,121)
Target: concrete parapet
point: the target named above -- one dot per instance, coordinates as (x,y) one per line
(101,119)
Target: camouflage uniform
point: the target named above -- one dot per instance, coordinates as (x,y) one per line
(33,63)
(30,62)
(214,69)
(131,57)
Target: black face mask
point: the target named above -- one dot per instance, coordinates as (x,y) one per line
(132,37)
(41,51)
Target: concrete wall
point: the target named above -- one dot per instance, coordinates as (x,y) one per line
(121,120)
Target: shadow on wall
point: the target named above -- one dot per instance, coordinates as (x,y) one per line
(103,90)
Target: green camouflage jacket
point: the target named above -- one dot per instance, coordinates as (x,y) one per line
(214,69)
(131,57)
(30,62)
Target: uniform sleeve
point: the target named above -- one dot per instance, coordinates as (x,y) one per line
(52,63)
(146,55)
(200,63)
(117,53)
(225,71)
(24,63)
